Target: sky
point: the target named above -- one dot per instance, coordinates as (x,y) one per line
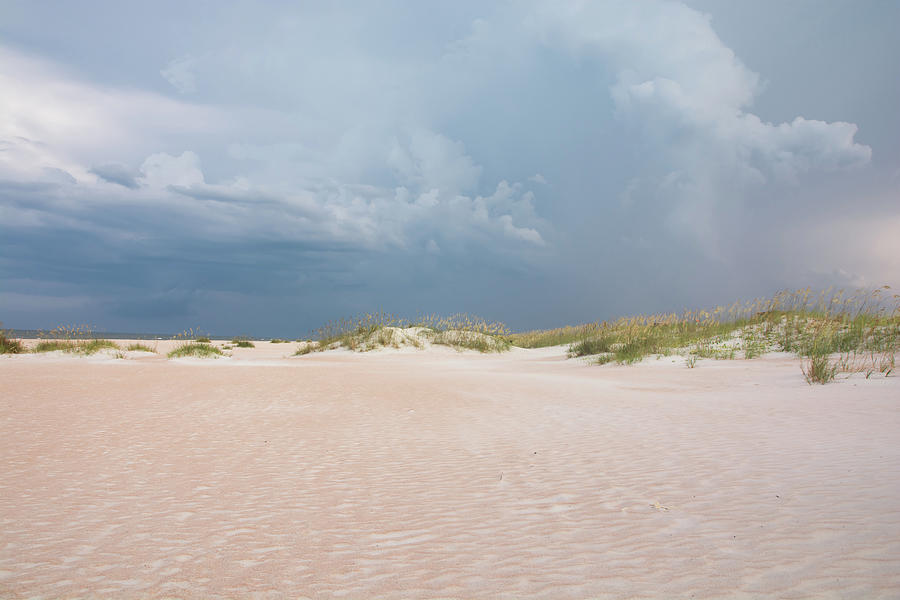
(261,168)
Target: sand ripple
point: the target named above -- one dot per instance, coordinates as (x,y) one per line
(409,476)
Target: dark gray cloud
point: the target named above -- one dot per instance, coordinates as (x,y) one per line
(119,174)
(263,171)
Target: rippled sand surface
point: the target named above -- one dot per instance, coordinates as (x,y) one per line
(436,474)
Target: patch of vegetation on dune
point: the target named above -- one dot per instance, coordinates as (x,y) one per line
(93,346)
(86,347)
(306,348)
(471,340)
(542,338)
(195,349)
(54,345)
(834,331)
(380,330)
(9,345)
(139,348)
(242,342)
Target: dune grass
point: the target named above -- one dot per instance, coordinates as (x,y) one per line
(278,341)
(75,339)
(306,349)
(375,330)
(835,331)
(818,369)
(471,340)
(541,338)
(9,345)
(195,349)
(86,347)
(832,331)
(139,348)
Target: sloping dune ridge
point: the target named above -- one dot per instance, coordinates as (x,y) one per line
(424,474)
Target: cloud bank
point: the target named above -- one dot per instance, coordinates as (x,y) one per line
(507,160)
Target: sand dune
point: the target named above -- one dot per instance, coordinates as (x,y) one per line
(444,474)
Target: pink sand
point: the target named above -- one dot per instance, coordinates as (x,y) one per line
(436,474)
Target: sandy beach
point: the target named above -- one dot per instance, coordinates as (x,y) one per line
(425,474)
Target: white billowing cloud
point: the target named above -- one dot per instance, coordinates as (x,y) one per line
(162,170)
(804,145)
(657,46)
(514,206)
(432,161)
(50,120)
(23,159)
(689,95)
(366,216)
(762,149)
(57,129)
(526,234)
(180,73)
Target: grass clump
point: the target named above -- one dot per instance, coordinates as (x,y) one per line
(54,345)
(242,343)
(818,369)
(139,348)
(86,347)
(195,349)
(203,340)
(471,340)
(74,339)
(278,341)
(591,345)
(9,345)
(306,348)
(94,346)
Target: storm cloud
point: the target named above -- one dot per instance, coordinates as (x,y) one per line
(261,170)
